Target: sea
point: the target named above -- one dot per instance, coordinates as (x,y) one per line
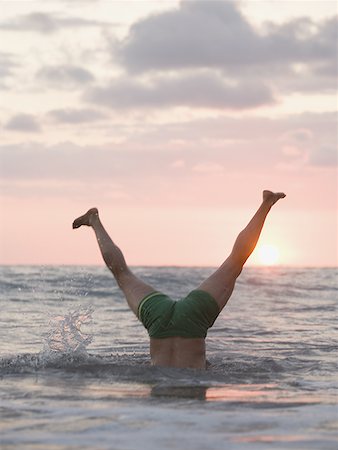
(75,370)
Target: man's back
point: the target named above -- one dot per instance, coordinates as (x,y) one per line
(178,352)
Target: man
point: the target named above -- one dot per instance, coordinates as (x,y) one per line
(178,330)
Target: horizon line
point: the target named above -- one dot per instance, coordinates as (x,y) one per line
(249,266)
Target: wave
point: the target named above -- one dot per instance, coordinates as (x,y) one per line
(137,368)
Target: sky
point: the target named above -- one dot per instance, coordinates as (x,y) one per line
(171,117)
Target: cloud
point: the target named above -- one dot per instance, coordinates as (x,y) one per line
(328,69)
(23,122)
(324,155)
(226,130)
(47,23)
(68,161)
(217,36)
(76,115)
(7,65)
(312,141)
(255,144)
(193,162)
(65,76)
(198,34)
(300,135)
(201,90)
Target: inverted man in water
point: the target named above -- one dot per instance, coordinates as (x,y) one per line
(178,330)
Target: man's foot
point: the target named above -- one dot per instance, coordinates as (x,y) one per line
(272,197)
(86,219)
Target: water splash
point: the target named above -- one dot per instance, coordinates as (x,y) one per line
(65,344)
(65,336)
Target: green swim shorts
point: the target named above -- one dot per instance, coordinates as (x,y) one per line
(189,317)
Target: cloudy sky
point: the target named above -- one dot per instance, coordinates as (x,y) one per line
(171,117)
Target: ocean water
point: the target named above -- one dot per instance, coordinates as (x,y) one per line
(75,370)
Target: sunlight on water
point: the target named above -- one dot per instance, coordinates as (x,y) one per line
(65,335)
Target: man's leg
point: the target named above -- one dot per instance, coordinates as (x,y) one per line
(222,282)
(133,288)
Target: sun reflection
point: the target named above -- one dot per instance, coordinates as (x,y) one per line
(238,393)
(270,438)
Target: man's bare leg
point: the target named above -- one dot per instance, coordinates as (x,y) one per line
(222,282)
(133,288)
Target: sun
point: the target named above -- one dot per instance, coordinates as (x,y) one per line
(268,255)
